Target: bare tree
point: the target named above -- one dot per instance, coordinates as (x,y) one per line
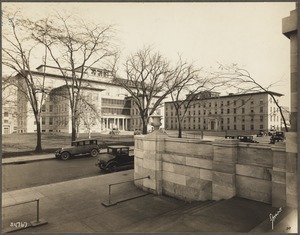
(190,83)
(149,80)
(16,50)
(242,80)
(88,115)
(74,46)
(8,90)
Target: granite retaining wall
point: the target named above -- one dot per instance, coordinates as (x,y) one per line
(195,170)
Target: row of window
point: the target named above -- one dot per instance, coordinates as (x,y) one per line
(115,111)
(58,121)
(222,120)
(209,104)
(100,73)
(222,128)
(59,108)
(106,101)
(208,112)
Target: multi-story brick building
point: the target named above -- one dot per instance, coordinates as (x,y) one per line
(114,107)
(234,112)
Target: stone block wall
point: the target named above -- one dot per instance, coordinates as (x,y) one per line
(254,172)
(187,169)
(195,170)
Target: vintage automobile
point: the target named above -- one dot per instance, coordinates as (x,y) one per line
(246,139)
(277,136)
(261,133)
(114,131)
(79,148)
(137,132)
(115,157)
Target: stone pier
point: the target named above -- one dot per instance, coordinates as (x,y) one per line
(289,29)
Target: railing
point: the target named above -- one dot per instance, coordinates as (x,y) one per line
(34,223)
(110,203)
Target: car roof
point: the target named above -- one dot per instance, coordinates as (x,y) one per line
(117,146)
(84,140)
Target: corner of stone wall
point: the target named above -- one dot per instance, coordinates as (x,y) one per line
(291,169)
(148,162)
(224,169)
(279,175)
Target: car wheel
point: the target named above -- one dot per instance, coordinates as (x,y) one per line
(65,156)
(94,152)
(112,167)
(101,166)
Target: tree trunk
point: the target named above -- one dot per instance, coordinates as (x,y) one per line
(179,128)
(179,132)
(145,131)
(73,133)
(74,128)
(89,133)
(38,148)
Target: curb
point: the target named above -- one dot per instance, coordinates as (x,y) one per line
(27,159)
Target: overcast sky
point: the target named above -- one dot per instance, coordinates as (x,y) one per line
(249,34)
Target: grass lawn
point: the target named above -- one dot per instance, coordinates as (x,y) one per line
(25,143)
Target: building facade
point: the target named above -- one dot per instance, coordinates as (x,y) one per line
(106,104)
(241,112)
(9,109)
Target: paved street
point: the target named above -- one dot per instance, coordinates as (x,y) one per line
(24,175)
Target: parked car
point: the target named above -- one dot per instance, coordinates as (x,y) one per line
(114,131)
(230,137)
(271,132)
(79,148)
(261,133)
(137,132)
(115,157)
(247,139)
(277,136)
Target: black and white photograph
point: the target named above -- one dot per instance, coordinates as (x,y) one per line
(149,117)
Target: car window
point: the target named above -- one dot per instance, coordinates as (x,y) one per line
(124,151)
(87,142)
(80,143)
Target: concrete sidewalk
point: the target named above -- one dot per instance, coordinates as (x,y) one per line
(75,206)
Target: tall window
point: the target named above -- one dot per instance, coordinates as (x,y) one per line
(261,118)
(261,109)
